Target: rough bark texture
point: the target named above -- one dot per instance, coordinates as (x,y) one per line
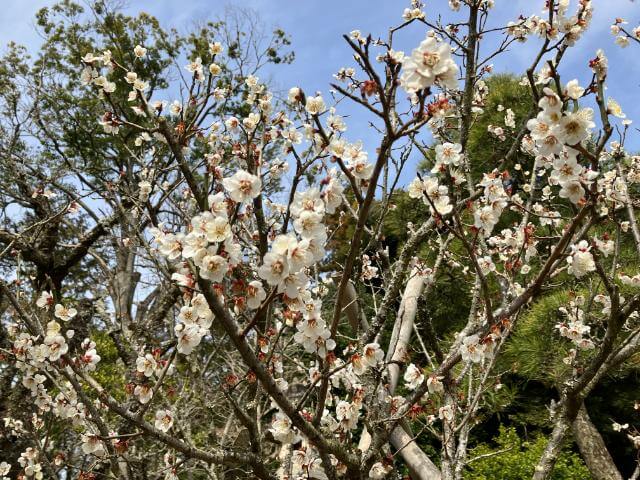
(593,449)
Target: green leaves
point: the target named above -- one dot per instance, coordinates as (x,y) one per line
(536,350)
(512,457)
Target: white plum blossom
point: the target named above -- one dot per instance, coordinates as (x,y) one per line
(92,445)
(217,229)
(45,300)
(472,349)
(372,354)
(605,246)
(432,194)
(630,281)
(446,412)
(146,365)
(573,128)
(64,313)
(379,471)
(614,108)
(281,428)
(195,67)
(295,94)
(429,64)
(486,218)
(413,377)
(332,195)
(581,260)
(574,90)
(361,168)
(213,267)
(139,51)
(575,329)
(144,393)
(447,154)
(242,186)
(309,224)
(274,268)
(347,414)
(55,342)
(189,337)
(412,13)
(90,358)
(434,384)
(163,420)
(255,294)
(144,191)
(572,190)
(314,336)
(486,265)
(315,105)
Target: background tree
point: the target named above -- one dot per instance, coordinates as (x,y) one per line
(68,186)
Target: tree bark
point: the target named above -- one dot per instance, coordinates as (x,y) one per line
(401,335)
(593,449)
(419,464)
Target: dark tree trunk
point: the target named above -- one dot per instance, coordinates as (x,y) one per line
(593,449)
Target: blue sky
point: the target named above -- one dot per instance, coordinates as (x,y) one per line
(316,27)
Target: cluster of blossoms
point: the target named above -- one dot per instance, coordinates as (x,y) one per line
(150,364)
(34,357)
(346,413)
(492,203)
(570,28)
(432,194)
(215,248)
(216,251)
(496,131)
(38,357)
(257,255)
(414,377)
(196,68)
(194,323)
(4,470)
(631,281)
(554,132)
(574,327)
(624,37)
(29,462)
(45,300)
(305,463)
(91,72)
(415,12)
(476,350)
(509,243)
(210,246)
